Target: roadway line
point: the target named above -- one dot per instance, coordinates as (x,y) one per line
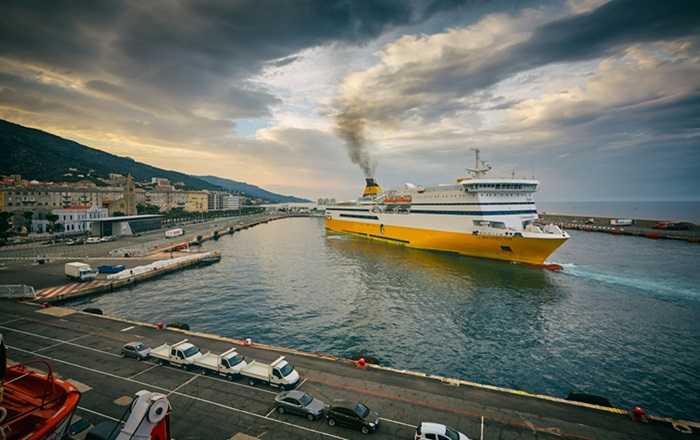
(397,422)
(12,320)
(82,408)
(61,343)
(187,382)
(144,371)
(58,340)
(127,329)
(119,356)
(210,402)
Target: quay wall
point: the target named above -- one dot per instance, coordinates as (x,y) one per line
(640,227)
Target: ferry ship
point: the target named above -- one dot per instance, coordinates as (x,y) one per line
(479,216)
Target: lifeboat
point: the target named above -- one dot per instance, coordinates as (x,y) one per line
(397,199)
(35,405)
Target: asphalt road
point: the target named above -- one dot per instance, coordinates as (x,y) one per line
(147,240)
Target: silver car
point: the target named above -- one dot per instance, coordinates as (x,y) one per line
(300,403)
(136,350)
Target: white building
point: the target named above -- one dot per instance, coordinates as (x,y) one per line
(231,202)
(77,220)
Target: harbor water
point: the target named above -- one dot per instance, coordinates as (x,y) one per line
(621,320)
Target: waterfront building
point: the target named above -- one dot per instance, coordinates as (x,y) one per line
(216,200)
(160,181)
(45,197)
(127,203)
(197,201)
(76,219)
(125,225)
(232,202)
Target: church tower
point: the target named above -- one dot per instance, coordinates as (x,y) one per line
(129,196)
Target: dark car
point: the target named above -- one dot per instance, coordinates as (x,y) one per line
(136,350)
(300,403)
(356,416)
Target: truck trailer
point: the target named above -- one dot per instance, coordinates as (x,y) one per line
(80,271)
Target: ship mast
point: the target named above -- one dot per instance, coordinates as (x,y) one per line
(480,167)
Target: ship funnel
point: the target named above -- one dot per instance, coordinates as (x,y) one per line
(371,188)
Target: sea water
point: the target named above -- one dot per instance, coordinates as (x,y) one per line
(621,320)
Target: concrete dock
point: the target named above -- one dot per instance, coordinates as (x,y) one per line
(153,252)
(638,228)
(84,348)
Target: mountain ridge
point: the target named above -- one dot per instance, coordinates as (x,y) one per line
(37,154)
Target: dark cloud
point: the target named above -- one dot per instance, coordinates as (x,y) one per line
(614,24)
(601,32)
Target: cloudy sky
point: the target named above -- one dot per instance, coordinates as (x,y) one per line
(599,100)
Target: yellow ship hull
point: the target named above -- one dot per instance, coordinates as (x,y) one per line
(519,249)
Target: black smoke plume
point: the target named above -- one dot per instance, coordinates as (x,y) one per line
(350,126)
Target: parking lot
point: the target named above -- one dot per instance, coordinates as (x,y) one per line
(85,349)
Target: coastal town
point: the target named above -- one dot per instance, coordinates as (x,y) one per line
(68,207)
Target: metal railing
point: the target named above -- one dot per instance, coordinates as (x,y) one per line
(16,291)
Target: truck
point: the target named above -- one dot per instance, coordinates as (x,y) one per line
(80,271)
(227,364)
(280,374)
(181,354)
(621,222)
(172,233)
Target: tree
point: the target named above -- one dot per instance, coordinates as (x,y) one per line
(4,225)
(118,214)
(28,220)
(52,218)
(145,208)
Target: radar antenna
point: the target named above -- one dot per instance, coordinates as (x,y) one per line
(481,167)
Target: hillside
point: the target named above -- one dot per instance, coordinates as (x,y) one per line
(251,190)
(39,155)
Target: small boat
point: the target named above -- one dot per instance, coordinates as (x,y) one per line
(39,406)
(211,258)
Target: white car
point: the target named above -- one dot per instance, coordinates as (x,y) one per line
(92,240)
(436,431)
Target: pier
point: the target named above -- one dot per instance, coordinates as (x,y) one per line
(145,258)
(84,349)
(638,228)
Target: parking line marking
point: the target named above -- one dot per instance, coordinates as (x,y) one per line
(144,371)
(12,320)
(187,382)
(119,356)
(61,343)
(127,328)
(302,382)
(59,340)
(82,408)
(397,422)
(177,393)
(271,411)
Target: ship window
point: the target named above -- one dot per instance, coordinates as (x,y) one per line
(506,249)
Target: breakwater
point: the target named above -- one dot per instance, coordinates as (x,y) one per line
(639,227)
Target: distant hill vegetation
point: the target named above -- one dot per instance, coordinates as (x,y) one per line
(39,155)
(251,190)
